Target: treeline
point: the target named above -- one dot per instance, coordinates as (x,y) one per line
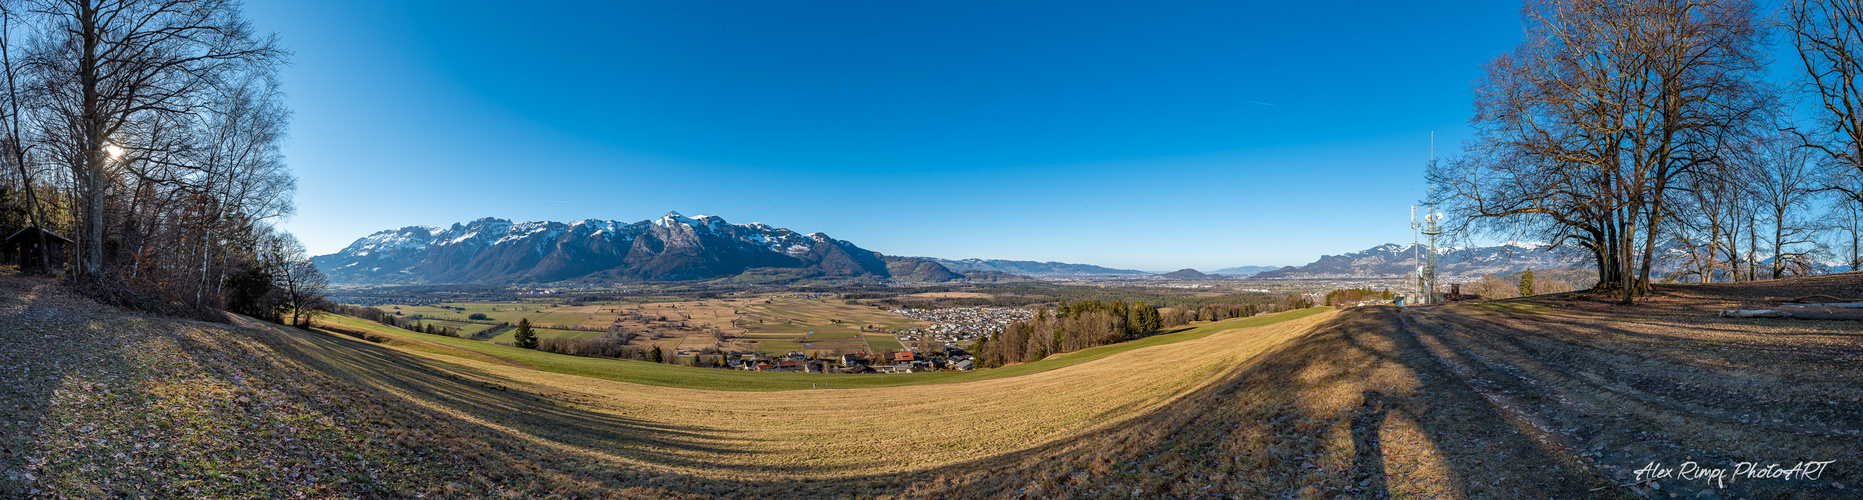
(409,323)
(148,133)
(1025,294)
(1350,295)
(614,344)
(1077,325)
(1630,130)
(1072,327)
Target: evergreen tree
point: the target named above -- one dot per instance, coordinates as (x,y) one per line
(1526,283)
(524,338)
(655,355)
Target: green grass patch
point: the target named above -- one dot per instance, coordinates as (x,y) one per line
(640,372)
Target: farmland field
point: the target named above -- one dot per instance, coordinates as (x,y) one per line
(772,434)
(641,372)
(771,325)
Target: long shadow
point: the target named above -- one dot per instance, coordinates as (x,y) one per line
(1639,399)
(1367,454)
(1653,372)
(1263,401)
(495,399)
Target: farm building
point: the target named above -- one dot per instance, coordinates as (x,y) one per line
(23,248)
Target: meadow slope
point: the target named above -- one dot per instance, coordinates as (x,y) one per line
(103,403)
(1546,397)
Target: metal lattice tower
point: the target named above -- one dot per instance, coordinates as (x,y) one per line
(1426,266)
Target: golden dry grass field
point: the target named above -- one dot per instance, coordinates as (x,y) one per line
(822,433)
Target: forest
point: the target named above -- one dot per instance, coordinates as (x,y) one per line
(147,134)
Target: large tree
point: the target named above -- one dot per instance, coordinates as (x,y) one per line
(1783,178)
(126,79)
(301,286)
(1828,36)
(1587,128)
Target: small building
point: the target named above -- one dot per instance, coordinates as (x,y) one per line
(24,247)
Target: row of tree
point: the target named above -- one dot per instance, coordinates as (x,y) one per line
(1627,128)
(149,132)
(1350,295)
(1077,325)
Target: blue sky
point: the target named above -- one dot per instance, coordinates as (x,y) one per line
(1154,135)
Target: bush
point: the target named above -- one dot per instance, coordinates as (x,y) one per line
(479,317)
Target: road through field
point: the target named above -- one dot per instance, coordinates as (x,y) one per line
(817,433)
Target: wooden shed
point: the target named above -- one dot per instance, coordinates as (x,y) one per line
(24,247)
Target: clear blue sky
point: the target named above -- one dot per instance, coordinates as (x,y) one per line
(1144,135)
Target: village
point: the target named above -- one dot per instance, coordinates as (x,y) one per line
(948,358)
(960,324)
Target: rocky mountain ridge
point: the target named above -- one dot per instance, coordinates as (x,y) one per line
(671,248)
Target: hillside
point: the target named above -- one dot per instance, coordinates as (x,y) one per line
(671,248)
(188,409)
(1186,274)
(1549,396)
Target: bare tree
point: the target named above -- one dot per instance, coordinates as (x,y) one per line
(122,70)
(1828,36)
(1847,215)
(1782,177)
(1606,107)
(302,286)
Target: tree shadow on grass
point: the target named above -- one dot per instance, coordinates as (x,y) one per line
(449,387)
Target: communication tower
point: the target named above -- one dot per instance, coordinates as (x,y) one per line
(1426,265)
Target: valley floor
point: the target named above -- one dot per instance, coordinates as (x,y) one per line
(1552,396)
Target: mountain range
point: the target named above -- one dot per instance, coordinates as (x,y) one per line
(677,248)
(671,248)
(1032,268)
(1243,270)
(1391,260)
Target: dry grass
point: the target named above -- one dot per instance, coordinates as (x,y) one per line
(830,432)
(1547,397)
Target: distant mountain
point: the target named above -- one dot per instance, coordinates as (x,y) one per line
(1243,270)
(1186,274)
(1032,268)
(671,248)
(1393,261)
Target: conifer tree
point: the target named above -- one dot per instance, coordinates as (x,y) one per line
(1526,283)
(523,338)
(655,355)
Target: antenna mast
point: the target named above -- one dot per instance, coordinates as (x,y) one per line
(1431,230)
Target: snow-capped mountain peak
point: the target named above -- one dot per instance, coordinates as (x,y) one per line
(672,247)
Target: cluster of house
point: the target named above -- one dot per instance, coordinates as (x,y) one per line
(949,358)
(960,324)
